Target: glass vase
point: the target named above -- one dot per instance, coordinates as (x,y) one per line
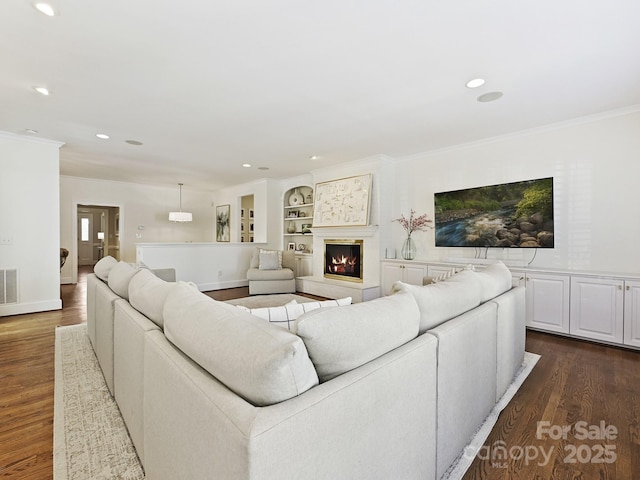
(408,249)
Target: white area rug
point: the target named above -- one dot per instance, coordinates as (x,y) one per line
(90,440)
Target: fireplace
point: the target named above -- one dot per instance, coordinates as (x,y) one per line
(343,259)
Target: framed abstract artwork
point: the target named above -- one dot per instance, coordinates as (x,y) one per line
(344,202)
(222,223)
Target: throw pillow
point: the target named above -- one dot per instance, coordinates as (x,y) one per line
(339,340)
(270,260)
(308,306)
(282,316)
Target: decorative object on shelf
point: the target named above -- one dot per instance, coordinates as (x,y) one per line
(291,246)
(308,198)
(296,198)
(343,203)
(293,213)
(302,247)
(412,224)
(306,228)
(222,223)
(180,216)
(291,228)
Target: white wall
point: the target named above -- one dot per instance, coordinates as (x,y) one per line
(595,163)
(232,196)
(30,221)
(145,206)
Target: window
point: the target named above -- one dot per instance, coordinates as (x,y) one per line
(84,229)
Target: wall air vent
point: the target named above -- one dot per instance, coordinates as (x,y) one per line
(8,286)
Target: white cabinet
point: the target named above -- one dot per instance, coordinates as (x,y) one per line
(632,313)
(304,264)
(404,272)
(547,302)
(597,308)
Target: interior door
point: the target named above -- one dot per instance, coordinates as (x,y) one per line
(85,239)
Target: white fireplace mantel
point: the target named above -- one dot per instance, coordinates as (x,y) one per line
(342,232)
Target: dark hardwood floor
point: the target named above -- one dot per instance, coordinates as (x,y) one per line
(575,384)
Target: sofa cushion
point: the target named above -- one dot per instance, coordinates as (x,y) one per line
(281,274)
(495,279)
(341,339)
(258,361)
(147,294)
(119,278)
(441,301)
(104,266)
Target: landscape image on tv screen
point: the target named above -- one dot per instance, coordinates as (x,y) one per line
(518,214)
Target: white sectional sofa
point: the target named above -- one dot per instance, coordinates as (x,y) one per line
(390,388)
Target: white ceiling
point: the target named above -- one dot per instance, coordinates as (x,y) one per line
(209,85)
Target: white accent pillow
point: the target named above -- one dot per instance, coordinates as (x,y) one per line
(283,316)
(341,339)
(270,260)
(442,277)
(308,306)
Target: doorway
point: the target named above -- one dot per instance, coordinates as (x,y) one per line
(98,233)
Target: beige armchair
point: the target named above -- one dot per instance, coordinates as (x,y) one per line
(271,271)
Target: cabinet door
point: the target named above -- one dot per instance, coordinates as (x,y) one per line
(304,266)
(414,274)
(597,308)
(632,313)
(548,302)
(391,272)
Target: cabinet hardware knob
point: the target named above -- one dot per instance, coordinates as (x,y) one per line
(628,288)
(619,287)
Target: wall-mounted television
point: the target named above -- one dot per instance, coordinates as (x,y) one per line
(507,215)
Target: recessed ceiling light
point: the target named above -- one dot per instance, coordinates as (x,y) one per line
(42,90)
(31,131)
(314,157)
(263,168)
(246,165)
(103,136)
(475,83)
(134,142)
(489,97)
(45,8)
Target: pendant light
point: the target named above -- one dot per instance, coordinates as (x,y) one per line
(180,216)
